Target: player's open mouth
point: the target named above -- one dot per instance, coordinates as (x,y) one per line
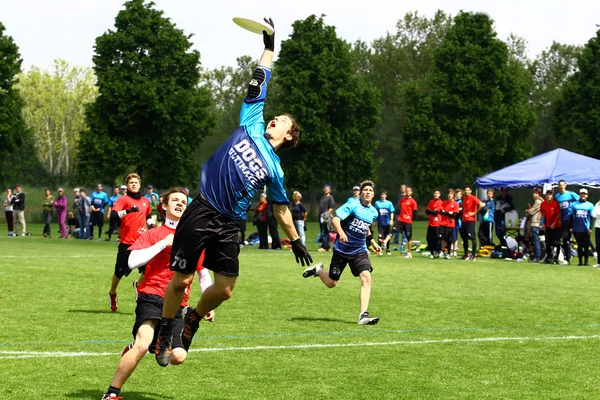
(272,124)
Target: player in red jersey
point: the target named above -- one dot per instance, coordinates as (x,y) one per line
(449,212)
(550,211)
(407,212)
(134,212)
(153,249)
(471,206)
(434,234)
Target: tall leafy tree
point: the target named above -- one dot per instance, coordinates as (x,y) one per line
(336,108)
(578,110)
(54,111)
(16,145)
(151,114)
(474,114)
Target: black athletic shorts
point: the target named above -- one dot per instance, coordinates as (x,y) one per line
(122,265)
(383,231)
(202,228)
(467,231)
(447,234)
(552,236)
(404,228)
(96,218)
(358,263)
(150,306)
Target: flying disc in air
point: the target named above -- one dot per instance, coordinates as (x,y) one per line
(254,25)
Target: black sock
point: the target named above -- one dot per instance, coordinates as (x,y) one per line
(112,389)
(166,326)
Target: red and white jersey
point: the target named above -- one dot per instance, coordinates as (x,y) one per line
(407,206)
(448,206)
(158,274)
(132,224)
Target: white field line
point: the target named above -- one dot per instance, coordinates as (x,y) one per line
(46,354)
(64,256)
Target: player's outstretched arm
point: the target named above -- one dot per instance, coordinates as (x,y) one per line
(284,218)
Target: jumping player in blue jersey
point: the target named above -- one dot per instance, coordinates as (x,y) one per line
(352,223)
(239,169)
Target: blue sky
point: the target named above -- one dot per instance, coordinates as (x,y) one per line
(45,30)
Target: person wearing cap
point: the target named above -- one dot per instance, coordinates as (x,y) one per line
(581,218)
(60,204)
(123,190)
(355,193)
(565,199)
(114,221)
(326,205)
(352,222)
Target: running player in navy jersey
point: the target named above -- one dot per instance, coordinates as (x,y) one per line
(239,169)
(352,223)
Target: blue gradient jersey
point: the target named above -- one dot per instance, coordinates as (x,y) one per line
(356,220)
(385,209)
(582,215)
(113,199)
(245,163)
(99,200)
(565,200)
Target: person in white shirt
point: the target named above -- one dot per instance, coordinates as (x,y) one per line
(596,216)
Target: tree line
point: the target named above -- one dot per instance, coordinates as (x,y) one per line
(439,101)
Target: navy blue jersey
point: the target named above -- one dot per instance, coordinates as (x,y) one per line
(356,220)
(244,164)
(99,200)
(385,209)
(582,215)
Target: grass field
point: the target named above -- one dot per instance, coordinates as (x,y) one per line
(449,330)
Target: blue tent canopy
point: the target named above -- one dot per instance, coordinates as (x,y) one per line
(546,168)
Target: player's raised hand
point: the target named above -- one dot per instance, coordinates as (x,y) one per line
(269,40)
(302,255)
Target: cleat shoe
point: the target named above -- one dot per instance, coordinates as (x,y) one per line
(364,319)
(408,255)
(127,348)
(191,323)
(111,396)
(135,285)
(113,302)
(312,271)
(389,253)
(164,346)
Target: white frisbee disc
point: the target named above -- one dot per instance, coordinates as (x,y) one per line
(254,25)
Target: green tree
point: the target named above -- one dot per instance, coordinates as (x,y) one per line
(337,110)
(16,143)
(473,116)
(151,114)
(54,111)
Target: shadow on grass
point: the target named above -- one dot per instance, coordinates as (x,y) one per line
(99,312)
(312,319)
(96,394)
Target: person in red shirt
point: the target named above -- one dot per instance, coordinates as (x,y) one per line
(434,235)
(471,205)
(449,212)
(134,212)
(550,211)
(407,212)
(153,249)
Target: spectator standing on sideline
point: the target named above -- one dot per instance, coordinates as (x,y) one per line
(299,214)
(113,221)
(596,215)
(449,212)
(8,212)
(401,195)
(404,222)
(75,205)
(581,218)
(99,202)
(154,202)
(471,206)
(273,225)
(85,204)
(47,207)
(61,203)
(355,193)
(504,204)
(260,220)
(434,236)
(534,216)
(133,210)
(18,202)
(385,216)
(326,206)
(458,197)
(487,219)
(150,192)
(565,199)
(188,195)
(123,190)
(550,212)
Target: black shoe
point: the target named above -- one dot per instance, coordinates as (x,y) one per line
(364,319)
(191,323)
(164,345)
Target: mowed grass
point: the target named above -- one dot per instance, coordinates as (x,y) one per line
(449,330)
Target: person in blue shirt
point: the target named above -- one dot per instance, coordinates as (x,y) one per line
(114,223)
(581,218)
(385,210)
(239,169)
(565,199)
(99,201)
(352,222)
(486,225)
(355,193)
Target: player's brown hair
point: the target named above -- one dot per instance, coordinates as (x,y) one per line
(165,195)
(133,175)
(294,131)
